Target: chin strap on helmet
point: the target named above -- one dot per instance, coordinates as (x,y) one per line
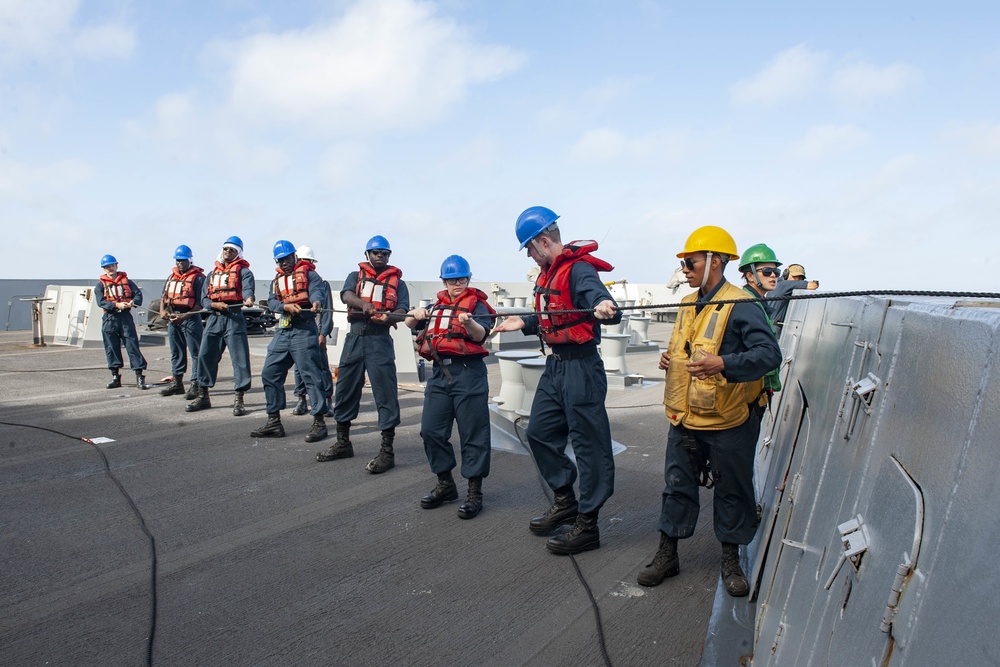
(708,264)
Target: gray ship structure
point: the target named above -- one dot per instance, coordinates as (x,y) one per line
(136,533)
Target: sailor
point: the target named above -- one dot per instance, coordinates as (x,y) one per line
(715,363)
(570,397)
(377,299)
(451,335)
(296,295)
(181,307)
(325,329)
(759,267)
(793,278)
(229,287)
(117,295)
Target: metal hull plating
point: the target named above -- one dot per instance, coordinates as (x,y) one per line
(877,477)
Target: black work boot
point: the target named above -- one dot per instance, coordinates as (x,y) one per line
(192,392)
(342,449)
(301,407)
(238,408)
(272,429)
(175,387)
(474,502)
(732,574)
(200,403)
(318,430)
(665,563)
(140,381)
(116,381)
(385,458)
(583,536)
(444,492)
(563,510)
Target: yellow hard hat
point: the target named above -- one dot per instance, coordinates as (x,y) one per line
(711,239)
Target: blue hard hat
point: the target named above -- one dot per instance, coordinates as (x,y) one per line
(234,240)
(378,243)
(533,222)
(108,260)
(283,249)
(183,252)
(455,266)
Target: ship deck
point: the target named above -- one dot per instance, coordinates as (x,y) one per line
(266,557)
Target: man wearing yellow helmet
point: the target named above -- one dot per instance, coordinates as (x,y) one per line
(714,363)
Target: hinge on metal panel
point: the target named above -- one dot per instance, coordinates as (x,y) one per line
(855,538)
(862,394)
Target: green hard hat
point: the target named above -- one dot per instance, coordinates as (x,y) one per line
(757,254)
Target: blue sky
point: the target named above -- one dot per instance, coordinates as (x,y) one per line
(860,139)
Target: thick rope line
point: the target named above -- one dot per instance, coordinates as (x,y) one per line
(761,299)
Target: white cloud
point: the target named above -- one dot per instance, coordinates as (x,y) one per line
(800,72)
(46,30)
(110,40)
(822,141)
(30,29)
(340,162)
(862,81)
(384,64)
(605,144)
(980,139)
(22,181)
(792,73)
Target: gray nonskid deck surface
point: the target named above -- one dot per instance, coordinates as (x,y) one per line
(266,557)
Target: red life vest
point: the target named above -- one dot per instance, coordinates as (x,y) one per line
(380,290)
(116,289)
(552,292)
(445,333)
(294,287)
(179,290)
(224,283)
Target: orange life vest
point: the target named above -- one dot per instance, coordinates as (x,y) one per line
(552,292)
(380,290)
(445,333)
(116,289)
(294,287)
(225,284)
(179,291)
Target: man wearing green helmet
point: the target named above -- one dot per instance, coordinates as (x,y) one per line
(759,267)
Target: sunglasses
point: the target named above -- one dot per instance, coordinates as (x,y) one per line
(379,253)
(456,281)
(767,272)
(688,263)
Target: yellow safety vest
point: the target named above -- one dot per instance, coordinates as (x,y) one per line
(712,404)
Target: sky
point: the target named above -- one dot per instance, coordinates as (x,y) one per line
(859,139)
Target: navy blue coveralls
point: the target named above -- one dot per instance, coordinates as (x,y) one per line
(464,400)
(296,342)
(749,350)
(325,329)
(368,347)
(117,326)
(569,402)
(226,329)
(186,336)
(777,309)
